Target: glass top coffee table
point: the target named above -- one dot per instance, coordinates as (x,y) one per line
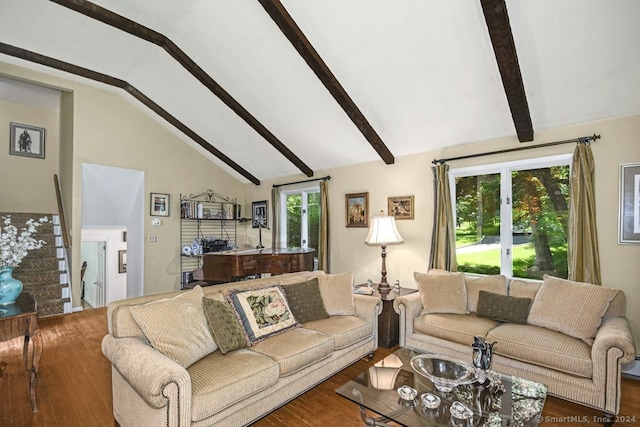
(505,400)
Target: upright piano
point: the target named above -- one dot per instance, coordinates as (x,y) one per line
(221,267)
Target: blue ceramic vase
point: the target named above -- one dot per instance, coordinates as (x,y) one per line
(10,288)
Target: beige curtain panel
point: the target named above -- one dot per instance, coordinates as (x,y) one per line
(323,241)
(275,222)
(583,253)
(443,239)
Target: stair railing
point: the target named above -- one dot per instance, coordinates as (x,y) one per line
(63,222)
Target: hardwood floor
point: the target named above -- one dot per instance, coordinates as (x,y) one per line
(74,385)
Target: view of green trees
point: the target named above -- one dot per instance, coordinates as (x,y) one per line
(539,212)
(294,220)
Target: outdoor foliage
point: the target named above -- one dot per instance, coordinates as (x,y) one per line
(539,209)
(294,220)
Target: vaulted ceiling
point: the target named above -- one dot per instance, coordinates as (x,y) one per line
(276,88)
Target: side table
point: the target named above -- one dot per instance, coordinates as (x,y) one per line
(20,319)
(389,320)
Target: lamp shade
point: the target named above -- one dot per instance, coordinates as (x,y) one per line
(383,231)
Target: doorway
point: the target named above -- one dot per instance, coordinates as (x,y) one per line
(104,280)
(113,199)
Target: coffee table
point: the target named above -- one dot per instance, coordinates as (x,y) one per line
(505,401)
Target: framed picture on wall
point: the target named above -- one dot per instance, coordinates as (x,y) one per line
(357,209)
(260,214)
(400,207)
(26,141)
(159,204)
(629,221)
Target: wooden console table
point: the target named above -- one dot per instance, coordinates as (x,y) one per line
(20,319)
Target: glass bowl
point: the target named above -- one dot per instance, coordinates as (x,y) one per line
(445,372)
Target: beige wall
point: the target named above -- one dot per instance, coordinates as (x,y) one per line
(27,182)
(110,128)
(411,175)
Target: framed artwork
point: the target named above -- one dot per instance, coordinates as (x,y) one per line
(260,214)
(159,204)
(400,207)
(26,141)
(629,221)
(122,261)
(357,209)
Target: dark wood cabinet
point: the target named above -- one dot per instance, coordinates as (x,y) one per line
(389,320)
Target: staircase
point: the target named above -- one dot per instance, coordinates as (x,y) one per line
(43,272)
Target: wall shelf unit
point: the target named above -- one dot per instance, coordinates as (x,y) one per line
(208,223)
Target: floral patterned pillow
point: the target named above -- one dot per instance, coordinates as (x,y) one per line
(262,312)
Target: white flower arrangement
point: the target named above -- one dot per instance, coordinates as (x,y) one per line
(14,245)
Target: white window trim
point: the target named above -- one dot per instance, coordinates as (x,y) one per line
(283,211)
(506,220)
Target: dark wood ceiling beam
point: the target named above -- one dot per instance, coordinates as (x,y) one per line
(108,17)
(294,34)
(497,20)
(112,81)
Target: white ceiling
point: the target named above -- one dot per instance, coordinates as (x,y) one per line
(422,72)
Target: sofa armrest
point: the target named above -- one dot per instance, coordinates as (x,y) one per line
(150,373)
(408,307)
(614,332)
(368,307)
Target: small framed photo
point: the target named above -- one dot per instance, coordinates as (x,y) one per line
(260,214)
(26,141)
(357,209)
(122,261)
(400,207)
(629,221)
(159,204)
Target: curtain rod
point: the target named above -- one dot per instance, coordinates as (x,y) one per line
(300,182)
(583,140)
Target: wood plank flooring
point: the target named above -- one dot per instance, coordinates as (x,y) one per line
(74,385)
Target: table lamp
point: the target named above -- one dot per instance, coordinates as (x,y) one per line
(383,232)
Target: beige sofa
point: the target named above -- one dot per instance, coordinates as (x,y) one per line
(153,387)
(573,337)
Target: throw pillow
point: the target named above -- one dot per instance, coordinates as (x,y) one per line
(503,308)
(442,292)
(496,284)
(177,327)
(223,323)
(573,308)
(337,294)
(262,312)
(305,301)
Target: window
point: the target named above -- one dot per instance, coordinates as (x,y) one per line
(300,217)
(512,218)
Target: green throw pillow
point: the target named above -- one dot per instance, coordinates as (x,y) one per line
(305,301)
(224,325)
(503,308)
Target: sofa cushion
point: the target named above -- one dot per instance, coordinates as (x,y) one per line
(543,347)
(337,293)
(305,301)
(460,328)
(177,327)
(503,308)
(442,292)
(296,349)
(573,308)
(345,330)
(223,324)
(218,381)
(262,312)
(524,288)
(496,284)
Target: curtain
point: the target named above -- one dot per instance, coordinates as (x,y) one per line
(443,239)
(275,222)
(323,239)
(582,239)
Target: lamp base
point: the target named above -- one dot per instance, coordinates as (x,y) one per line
(383,287)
